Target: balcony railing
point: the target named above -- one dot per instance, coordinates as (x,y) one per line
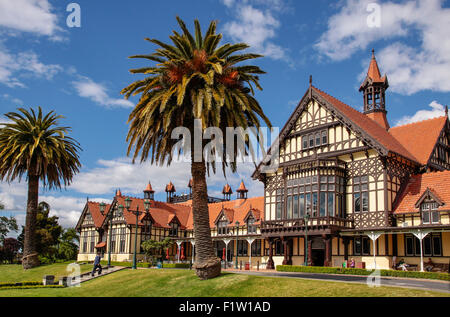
(299,224)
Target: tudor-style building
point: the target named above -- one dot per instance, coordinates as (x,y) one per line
(234,226)
(371,192)
(352,175)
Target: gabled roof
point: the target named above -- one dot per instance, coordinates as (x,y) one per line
(160,213)
(239,209)
(94,209)
(420,138)
(255,213)
(228,213)
(371,133)
(437,183)
(367,127)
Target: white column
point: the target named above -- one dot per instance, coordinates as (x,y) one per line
(374,237)
(421,234)
(226,241)
(178,251)
(193,250)
(250,242)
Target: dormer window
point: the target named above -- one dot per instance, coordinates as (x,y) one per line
(251,227)
(429,212)
(222,227)
(173,232)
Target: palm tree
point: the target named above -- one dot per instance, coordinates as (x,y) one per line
(35,145)
(194,79)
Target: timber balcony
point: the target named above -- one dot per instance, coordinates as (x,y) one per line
(295,227)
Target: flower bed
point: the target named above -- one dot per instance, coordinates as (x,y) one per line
(338,270)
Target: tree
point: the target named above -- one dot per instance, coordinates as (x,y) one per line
(7,225)
(67,247)
(9,250)
(194,81)
(34,145)
(153,247)
(48,232)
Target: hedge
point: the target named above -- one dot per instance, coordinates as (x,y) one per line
(146,265)
(339,270)
(20,284)
(176,265)
(31,287)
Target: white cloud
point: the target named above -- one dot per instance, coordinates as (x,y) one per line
(132,178)
(23,64)
(410,69)
(437,110)
(87,88)
(34,16)
(256,26)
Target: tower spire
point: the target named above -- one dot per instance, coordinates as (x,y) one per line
(374,88)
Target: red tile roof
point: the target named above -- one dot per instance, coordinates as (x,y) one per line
(97,217)
(162,213)
(419,138)
(369,126)
(437,182)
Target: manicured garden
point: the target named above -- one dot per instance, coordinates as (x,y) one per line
(184,283)
(14,273)
(349,271)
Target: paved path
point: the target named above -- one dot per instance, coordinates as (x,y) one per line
(431,285)
(106,270)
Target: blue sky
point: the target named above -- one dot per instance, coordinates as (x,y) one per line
(79,72)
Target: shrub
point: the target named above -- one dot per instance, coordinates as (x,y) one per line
(349,271)
(20,284)
(175,265)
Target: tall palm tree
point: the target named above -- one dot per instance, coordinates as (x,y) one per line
(193,79)
(34,145)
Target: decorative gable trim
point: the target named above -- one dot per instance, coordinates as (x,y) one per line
(81,219)
(428,194)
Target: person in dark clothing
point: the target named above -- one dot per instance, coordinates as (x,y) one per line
(97,265)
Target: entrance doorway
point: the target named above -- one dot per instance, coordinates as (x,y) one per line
(318,252)
(318,257)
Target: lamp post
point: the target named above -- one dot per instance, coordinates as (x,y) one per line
(306,217)
(237,235)
(110,217)
(137,213)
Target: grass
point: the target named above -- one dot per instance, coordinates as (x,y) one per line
(15,273)
(184,283)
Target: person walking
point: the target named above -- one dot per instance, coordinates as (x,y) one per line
(97,265)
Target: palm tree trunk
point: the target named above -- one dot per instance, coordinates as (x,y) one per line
(207,265)
(30,256)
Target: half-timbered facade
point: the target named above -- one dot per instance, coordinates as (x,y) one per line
(348,186)
(342,175)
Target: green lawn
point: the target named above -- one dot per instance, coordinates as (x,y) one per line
(184,283)
(15,273)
